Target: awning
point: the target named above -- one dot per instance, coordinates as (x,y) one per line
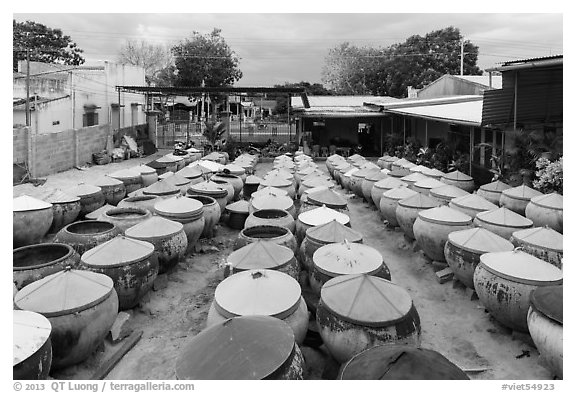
(462,113)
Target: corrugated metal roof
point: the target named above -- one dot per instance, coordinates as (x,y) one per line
(536,62)
(459,112)
(532,59)
(415,102)
(336,103)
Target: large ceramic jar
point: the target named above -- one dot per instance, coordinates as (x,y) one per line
(323,197)
(432,227)
(227,186)
(338,259)
(493,191)
(81,307)
(261,292)
(418,169)
(84,235)
(504,280)
(279,182)
(263,255)
(32,263)
(425,186)
(235,181)
(162,189)
(195,153)
(125,217)
(211,189)
(368,184)
(388,161)
(460,180)
(389,203)
(316,217)
(340,169)
(502,222)
(316,237)
(235,170)
(359,311)
(167,237)
(193,174)
(400,362)
(303,172)
(346,178)
(31,345)
(132,179)
(267,191)
(517,198)
(31,220)
(359,176)
(131,264)
(381,186)
(445,193)
(272,201)
(545,324)
(407,211)
(208,167)
(216,157)
(91,197)
(331,162)
(242,348)
(412,178)
(399,173)
(313,183)
(211,213)
(433,173)
(65,208)
(464,248)
(278,235)
(113,190)
(275,217)
(542,242)
(142,201)
(180,182)
(148,175)
(380,162)
(398,164)
(179,160)
(186,211)
(95,215)
(162,166)
(546,210)
(471,204)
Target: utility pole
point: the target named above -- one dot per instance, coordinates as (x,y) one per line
(462,56)
(27,86)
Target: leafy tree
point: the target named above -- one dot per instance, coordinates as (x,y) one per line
(46,45)
(153,58)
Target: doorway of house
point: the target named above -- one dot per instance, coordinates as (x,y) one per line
(366,140)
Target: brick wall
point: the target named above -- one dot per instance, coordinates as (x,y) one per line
(19,145)
(54,152)
(91,140)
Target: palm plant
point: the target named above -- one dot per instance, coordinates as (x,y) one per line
(213,132)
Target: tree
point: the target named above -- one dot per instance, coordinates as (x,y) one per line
(46,45)
(153,58)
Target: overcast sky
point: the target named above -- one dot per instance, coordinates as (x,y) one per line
(291,47)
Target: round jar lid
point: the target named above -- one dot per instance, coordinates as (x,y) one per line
(190,172)
(56,196)
(161,187)
(479,240)
(179,207)
(276,181)
(260,254)
(258,292)
(83,190)
(399,193)
(549,201)
(317,182)
(177,180)
(253,180)
(201,168)
(272,201)
(408,165)
(376,176)
(241,348)
(165,175)
(495,186)
(306,171)
(119,251)
(401,161)
(400,172)
(210,165)
(280,172)
(327,197)
(473,201)
(522,192)
(124,174)
(30,331)
(542,237)
(419,201)
(365,171)
(26,203)
(322,215)
(366,300)
(143,169)
(234,169)
(154,227)
(429,183)
(414,177)
(168,158)
(433,172)
(333,232)
(314,175)
(457,176)
(266,191)
(347,258)
(389,183)
(106,181)
(504,217)
(521,267)
(445,215)
(418,168)
(447,191)
(241,206)
(64,292)
(209,188)
(549,301)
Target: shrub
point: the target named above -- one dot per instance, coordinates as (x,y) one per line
(549,175)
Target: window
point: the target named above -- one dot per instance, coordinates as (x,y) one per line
(90,119)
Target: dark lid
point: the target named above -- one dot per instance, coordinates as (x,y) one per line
(549,301)
(240,348)
(521,267)
(119,251)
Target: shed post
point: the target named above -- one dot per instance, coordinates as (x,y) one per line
(471,150)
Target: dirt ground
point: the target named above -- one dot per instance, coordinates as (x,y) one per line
(452,323)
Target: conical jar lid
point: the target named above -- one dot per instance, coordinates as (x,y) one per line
(258,292)
(549,201)
(276,181)
(400,172)
(327,197)
(272,201)
(479,240)
(306,171)
(57,196)
(234,169)
(119,251)
(322,215)
(177,180)
(414,177)
(344,165)
(473,201)
(333,232)
(241,348)
(376,176)
(317,182)
(366,300)
(193,150)
(64,292)
(161,187)
(447,191)
(43,200)
(495,186)
(369,165)
(210,165)
(280,172)
(432,172)
(399,193)
(429,183)
(124,174)
(253,180)
(401,362)
(521,267)
(391,159)
(445,215)
(365,171)
(408,165)
(179,207)
(549,301)
(143,169)
(167,159)
(389,183)
(521,192)
(190,172)
(82,190)
(314,175)
(208,188)
(260,255)
(30,331)
(542,237)
(201,168)
(419,201)
(347,258)
(504,217)
(106,181)
(265,191)
(154,227)
(418,169)
(242,207)
(355,157)
(401,162)
(351,171)
(457,176)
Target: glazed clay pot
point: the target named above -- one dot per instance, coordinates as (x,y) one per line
(493,191)
(278,235)
(502,222)
(408,209)
(65,208)
(316,217)
(31,263)
(546,210)
(228,187)
(31,220)
(148,175)
(237,213)
(425,186)
(543,243)
(125,217)
(211,189)
(368,184)
(142,201)
(471,204)
(517,198)
(186,211)
(444,194)
(460,180)
(131,264)
(91,197)
(113,189)
(389,203)
(273,217)
(132,179)
(32,347)
(211,213)
(235,181)
(381,186)
(84,235)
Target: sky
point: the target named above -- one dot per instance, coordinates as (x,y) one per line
(283,47)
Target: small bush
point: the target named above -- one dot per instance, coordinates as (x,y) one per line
(549,176)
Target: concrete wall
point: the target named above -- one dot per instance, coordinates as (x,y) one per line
(19,145)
